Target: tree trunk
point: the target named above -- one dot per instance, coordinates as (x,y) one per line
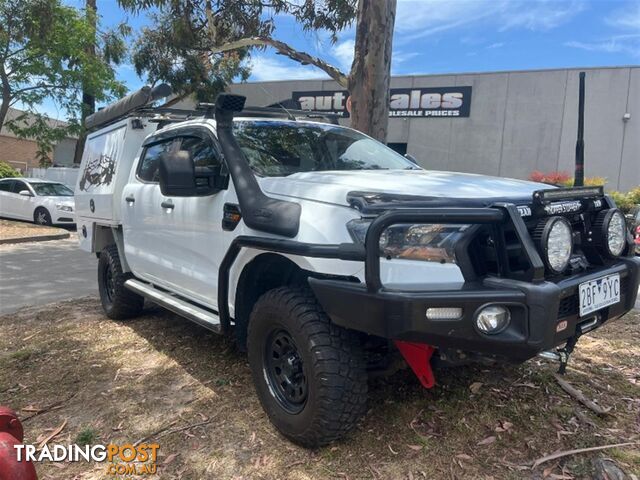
(6,96)
(370,76)
(88,100)
(4,109)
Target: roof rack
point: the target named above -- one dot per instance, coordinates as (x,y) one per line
(138,105)
(273,112)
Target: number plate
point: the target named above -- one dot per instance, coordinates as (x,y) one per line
(599,293)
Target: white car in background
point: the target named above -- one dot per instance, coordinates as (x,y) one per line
(40,201)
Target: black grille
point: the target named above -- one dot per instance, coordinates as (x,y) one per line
(568,306)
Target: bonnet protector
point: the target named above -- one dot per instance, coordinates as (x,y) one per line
(259,211)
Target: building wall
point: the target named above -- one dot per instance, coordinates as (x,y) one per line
(18,153)
(519,122)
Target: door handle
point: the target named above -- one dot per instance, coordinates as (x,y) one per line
(130,199)
(168,205)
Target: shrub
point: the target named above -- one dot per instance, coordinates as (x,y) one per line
(626,201)
(7,170)
(552,178)
(563,179)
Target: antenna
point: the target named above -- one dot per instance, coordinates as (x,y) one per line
(277,102)
(578,179)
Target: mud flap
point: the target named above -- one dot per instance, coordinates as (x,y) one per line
(418,356)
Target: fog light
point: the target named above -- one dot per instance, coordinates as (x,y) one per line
(493,319)
(444,313)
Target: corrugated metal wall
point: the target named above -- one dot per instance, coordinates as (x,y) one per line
(519,122)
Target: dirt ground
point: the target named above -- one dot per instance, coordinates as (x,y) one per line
(10,229)
(121,381)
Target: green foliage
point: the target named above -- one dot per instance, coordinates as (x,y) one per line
(87,436)
(177,48)
(7,171)
(626,201)
(46,54)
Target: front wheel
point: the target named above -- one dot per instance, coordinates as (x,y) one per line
(41,216)
(310,375)
(117,300)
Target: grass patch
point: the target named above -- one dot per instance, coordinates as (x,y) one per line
(22,355)
(121,381)
(87,436)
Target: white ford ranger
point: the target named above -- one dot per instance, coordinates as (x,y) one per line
(325,253)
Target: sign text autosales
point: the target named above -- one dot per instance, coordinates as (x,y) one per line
(439,102)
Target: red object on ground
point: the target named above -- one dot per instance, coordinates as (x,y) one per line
(11,434)
(418,356)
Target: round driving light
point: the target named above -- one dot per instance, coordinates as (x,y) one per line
(611,232)
(493,319)
(555,241)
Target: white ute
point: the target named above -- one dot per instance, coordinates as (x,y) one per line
(325,253)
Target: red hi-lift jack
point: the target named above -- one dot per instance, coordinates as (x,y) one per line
(418,356)
(11,434)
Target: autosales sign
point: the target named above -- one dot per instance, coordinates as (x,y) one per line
(432,102)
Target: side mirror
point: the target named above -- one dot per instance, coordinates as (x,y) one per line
(180,178)
(25,193)
(411,158)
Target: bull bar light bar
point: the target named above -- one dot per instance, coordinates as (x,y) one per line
(571,193)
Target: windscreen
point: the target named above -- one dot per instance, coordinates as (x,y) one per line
(52,189)
(283,148)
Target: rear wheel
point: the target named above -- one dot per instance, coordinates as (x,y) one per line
(42,216)
(118,302)
(310,374)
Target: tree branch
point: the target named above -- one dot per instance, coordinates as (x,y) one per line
(36,87)
(284,49)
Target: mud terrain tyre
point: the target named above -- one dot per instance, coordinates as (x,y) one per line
(310,375)
(119,303)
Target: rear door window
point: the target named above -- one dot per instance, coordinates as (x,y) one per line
(6,186)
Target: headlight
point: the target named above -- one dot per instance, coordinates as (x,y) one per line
(555,241)
(64,208)
(428,242)
(611,231)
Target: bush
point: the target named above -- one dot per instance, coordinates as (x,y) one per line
(563,179)
(626,201)
(7,170)
(552,178)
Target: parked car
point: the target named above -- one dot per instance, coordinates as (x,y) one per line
(327,254)
(633,220)
(40,201)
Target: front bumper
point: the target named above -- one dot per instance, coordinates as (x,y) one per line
(538,310)
(64,220)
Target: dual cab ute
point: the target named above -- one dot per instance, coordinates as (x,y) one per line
(325,253)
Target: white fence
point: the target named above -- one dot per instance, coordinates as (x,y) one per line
(65,175)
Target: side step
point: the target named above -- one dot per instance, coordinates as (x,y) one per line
(202,317)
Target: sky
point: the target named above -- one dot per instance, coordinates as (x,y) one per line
(454,36)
